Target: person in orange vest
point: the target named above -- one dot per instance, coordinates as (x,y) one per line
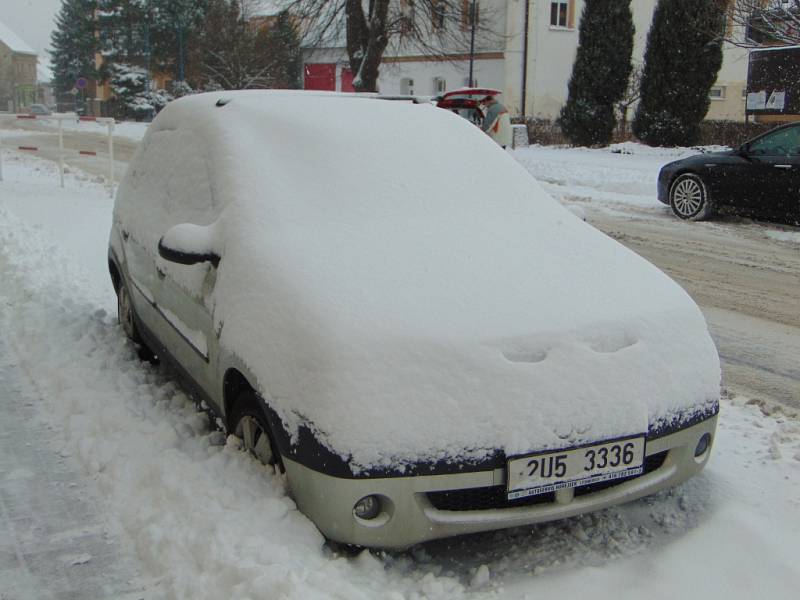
(497,123)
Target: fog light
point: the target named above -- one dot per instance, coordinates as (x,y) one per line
(367,508)
(702,445)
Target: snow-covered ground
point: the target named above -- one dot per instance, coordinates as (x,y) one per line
(205,521)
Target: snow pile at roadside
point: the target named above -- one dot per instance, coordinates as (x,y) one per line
(403,296)
(784,236)
(674,153)
(209,523)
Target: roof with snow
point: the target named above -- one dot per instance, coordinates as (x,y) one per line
(13,41)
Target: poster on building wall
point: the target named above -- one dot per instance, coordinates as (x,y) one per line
(777,101)
(757,100)
(773,81)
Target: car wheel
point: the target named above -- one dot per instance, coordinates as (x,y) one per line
(250,425)
(688,198)
(125,313)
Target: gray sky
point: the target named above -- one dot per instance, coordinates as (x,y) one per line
(32,20)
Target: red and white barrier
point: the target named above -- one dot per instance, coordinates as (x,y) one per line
(61,117)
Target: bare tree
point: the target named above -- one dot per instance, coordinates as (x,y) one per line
(448,29)
(760,22)
(238,50)
(632,94)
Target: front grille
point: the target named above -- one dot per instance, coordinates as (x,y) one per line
(483,498)
(493,497)
(651,463)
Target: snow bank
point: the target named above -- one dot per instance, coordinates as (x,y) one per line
(419,299)
(784,236)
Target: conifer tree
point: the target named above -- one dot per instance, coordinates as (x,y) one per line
(73,44)
(600,73)
(281,45)
(683,57)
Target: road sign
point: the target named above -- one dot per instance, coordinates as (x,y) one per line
(81,83)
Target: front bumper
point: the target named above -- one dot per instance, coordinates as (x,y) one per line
(664,179)
(410,517)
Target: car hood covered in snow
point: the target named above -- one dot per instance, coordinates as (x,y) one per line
(398,282)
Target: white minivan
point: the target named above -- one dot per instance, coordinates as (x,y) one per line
(380,302)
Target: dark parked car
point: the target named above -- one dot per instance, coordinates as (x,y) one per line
(761,178)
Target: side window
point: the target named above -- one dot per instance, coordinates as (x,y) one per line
(781,143)
(168,183)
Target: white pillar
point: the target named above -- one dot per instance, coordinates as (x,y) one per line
(61,150)
(111,158)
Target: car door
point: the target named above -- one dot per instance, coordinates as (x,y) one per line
(729,179)
(775,171)
(170,185)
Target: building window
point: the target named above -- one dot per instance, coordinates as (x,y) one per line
(562,14)
(439,85)
(717,93)
(407,86)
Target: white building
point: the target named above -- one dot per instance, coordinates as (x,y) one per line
(503,63)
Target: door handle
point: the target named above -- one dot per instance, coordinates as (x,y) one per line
(161,274)
(783,166)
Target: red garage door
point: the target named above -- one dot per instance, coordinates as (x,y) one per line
(320,77)
(347,81)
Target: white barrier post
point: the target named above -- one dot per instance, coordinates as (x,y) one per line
(61,151)
(111,157)
(1,157)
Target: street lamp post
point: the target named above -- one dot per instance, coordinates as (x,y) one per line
(472,43)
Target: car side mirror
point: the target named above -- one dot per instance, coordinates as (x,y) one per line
(743,150)
(188,244)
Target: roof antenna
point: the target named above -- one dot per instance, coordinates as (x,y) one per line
(223,101)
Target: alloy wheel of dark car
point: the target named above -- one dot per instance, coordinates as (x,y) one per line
(688,198)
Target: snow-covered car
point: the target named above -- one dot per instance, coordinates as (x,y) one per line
(383,304)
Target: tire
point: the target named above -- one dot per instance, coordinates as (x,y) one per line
(125,314)
(127,319)
(249,424)
(688,198)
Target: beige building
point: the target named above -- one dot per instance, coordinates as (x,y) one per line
(17,72)
(552,43)
(540,61)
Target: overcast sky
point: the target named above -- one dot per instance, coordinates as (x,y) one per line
(32,20)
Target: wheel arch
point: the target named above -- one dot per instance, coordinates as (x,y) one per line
(233,383)
(115,272)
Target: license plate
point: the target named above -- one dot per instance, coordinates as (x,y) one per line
(573,467)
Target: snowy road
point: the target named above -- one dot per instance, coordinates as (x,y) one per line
(201,520)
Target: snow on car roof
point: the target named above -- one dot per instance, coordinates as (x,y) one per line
(396,279)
